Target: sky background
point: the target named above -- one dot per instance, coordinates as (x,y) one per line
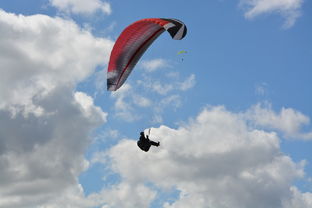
(233,114)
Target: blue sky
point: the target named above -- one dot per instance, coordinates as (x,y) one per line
(233,114)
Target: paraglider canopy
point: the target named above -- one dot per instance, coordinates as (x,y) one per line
(181,52)
(133,42)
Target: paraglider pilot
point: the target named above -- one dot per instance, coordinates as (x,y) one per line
(145,143)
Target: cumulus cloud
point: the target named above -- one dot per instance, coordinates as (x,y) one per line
(82,6)
(288,9)
(44,123)
(216,160)
(39,54)
(300,200)
(289,121)
(127,195)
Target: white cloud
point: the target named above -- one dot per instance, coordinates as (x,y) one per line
(121,195)
(142,101)
(299,200)
(44,124)
(82,6)
(126,101)
(151,92)
(157,118)
(39,54)
(289,9)
(160,87)
(172,101)
(188,83)
(288,120)
(160,95)
(216,160)
(154,64)
(88,107)
(164,87)
(127,195)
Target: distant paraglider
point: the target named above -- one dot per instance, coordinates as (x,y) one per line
(182,52)
(133,42)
